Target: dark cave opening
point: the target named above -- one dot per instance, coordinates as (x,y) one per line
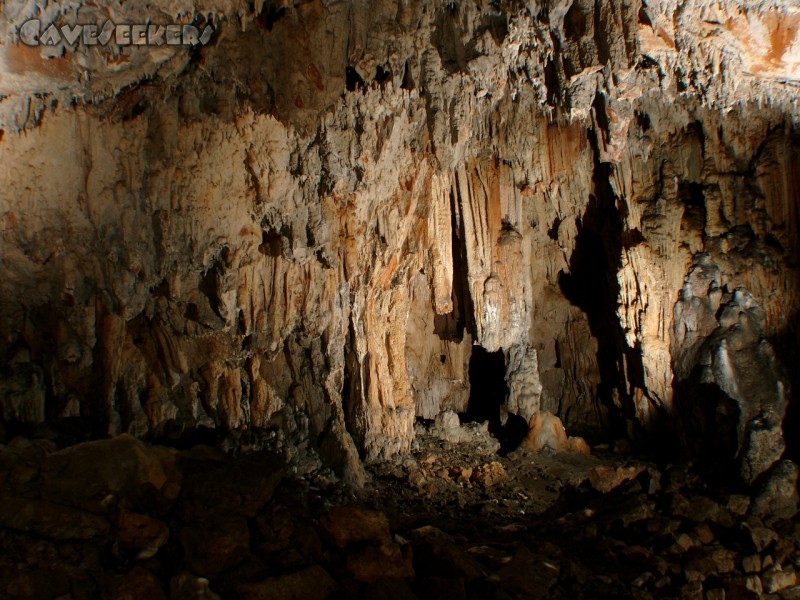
(488,389)
(353,79)
(708,432)
(487,399)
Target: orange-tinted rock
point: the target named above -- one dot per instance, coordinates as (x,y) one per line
(604,478)
(347,525)
(373,563)
(546,431)
(489,475)
(578,445)
(140,534)
(311,583)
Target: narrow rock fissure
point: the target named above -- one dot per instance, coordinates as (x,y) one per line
(786,343)
(591,285)
(351,389)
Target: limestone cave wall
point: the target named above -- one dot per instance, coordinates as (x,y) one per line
(306,227)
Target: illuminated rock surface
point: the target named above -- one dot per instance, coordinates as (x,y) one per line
(341,223)
(308,224)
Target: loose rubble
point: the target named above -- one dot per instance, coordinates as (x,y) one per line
(452,519)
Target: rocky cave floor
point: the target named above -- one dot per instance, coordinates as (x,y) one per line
(120,518)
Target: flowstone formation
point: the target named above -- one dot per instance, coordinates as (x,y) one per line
(337,217)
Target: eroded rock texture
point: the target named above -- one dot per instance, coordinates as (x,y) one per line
(308,225)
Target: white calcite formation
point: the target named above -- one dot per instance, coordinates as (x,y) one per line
(307,224)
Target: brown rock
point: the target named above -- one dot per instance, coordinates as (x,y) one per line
(704,534)
(464,474)
(751,563)
(51,520)
(141,534)
(416,478)
(186,586)
(372,563)
(738,504)
(578,445)
(546,431)
(87,474)
(692,591)
(703,509)
(736,587)
(347,525)
(683,542)
(442,587)
(241,486)
(784,549)
(37,584)
(778,495)
(604,478)
(622,447)
(779,579)
(389,589)
(276,526)
(139,584)
(290,538)
(761,536)
(724,560)
(753,583)
(311,583)
(215,546)
(489,475)
(527,574)
(693,573)
(437,554)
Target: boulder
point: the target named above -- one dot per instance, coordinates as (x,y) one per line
(141,535)
(374,563)
(139,584)
(187,586)
(214,546)
(242,486)
(346,525)
(489,475)
(546,431)
(604,478)
(777,495)
(50,520)
(310,583)
(92,474)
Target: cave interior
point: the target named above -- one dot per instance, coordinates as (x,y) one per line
(399,299)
